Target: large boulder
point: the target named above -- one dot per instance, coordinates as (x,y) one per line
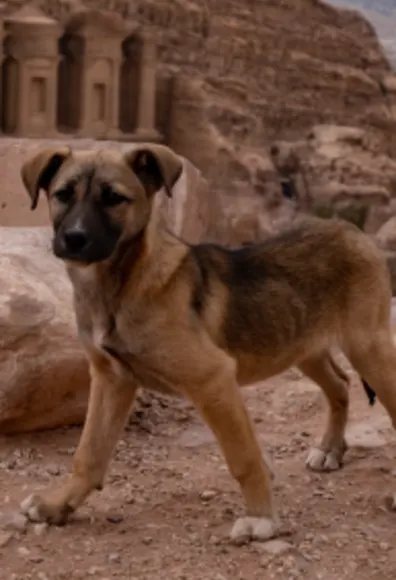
(44,374)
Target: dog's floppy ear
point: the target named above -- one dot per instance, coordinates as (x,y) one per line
(156,166)
(39,170)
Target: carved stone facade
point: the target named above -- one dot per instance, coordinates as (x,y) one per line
(91,77)
(30,73)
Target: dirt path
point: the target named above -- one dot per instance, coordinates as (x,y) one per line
(169,501)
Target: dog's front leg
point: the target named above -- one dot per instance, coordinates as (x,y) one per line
(221,406)
(109,403)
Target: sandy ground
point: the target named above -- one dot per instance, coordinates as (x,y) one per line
(169,501)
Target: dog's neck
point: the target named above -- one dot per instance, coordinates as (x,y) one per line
(139,266)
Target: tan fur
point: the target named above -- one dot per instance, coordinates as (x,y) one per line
(202,321)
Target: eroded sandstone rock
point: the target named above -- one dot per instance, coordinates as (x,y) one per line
(44,374)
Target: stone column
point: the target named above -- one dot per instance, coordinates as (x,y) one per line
(33,47)
(146,130)
(53,97)
(84,129)
(114,130)
(2,38)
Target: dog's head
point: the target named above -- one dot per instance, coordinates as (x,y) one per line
(99,198)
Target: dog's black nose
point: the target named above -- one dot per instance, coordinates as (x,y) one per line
(75,240)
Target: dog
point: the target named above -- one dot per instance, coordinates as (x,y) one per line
(201,320)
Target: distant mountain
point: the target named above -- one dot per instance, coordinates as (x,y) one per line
(382,14)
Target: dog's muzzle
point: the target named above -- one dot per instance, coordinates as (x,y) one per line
(75,241)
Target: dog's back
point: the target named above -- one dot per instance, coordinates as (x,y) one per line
(301,290)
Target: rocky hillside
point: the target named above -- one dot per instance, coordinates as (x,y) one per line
(382,14)
(246,74)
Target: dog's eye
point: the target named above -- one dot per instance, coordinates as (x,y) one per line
(64,195)
(111,198)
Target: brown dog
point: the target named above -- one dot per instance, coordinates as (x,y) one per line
(201,320)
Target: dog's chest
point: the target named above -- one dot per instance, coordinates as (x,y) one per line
(127,337)
(107,337)
(131,350)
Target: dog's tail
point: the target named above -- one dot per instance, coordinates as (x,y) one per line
(371,394)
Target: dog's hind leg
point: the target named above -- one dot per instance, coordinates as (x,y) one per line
(373,355)
(108,409)
(334,382)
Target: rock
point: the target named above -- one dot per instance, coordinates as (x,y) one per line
(384,546)
(44,373)
(94,570)
(53,469)
(147,540)
(389,83)
(114,518)
(40,529)
(13,521)
(23,551)
(391,261)
(386,235)
(341,173)
(208,494)
(187,213)
(5,538)
(390,502)
(114,558)
(276,547)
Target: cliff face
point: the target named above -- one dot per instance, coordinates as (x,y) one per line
(271,67)
(246,74)
(382,14)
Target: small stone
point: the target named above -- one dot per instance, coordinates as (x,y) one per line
(277,547)
(114,519)
(114,558)
(13,521)
(53,469)
(40,529)
(68,451)
(147,540)
(390,502)
(22,551)
(384,546)
(5,537)
(93,570)
(208,494)
(42,576)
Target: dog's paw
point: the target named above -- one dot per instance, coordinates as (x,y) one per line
(319,460)
(37,510)
(248,528)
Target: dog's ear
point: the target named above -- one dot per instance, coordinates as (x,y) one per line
(155,166)
(39,170)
